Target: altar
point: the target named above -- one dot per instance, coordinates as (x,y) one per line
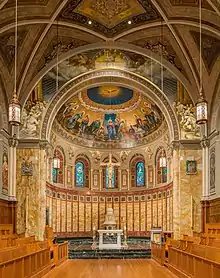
(110,239)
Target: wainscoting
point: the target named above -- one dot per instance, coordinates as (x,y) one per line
(8,213)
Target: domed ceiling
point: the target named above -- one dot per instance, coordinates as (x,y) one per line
(109,116)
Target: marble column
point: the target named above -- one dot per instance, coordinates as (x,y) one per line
(31,190)
(13,143)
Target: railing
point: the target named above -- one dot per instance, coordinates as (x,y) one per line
(36,263)
(60,252)
(158,252)
(185,264)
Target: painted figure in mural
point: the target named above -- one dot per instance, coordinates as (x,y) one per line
(95,126)
(84,124)
(72,121)
(111,129)
(5,173)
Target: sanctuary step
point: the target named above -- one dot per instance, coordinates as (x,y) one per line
(109,254)
(81,248)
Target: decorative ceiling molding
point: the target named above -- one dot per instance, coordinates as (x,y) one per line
(44,33)
(191,3)
(110,45)
(11,3)
(64,45)
(104,77)
(177,38)
(7,46)
(156,46)
(210,48)
(109,21)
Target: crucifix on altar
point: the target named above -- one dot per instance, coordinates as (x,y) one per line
(110,166)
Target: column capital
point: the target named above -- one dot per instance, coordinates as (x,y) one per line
(13,141)
(205,142)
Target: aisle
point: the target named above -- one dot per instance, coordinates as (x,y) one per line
(110,269)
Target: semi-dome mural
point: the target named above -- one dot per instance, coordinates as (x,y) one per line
(109,114)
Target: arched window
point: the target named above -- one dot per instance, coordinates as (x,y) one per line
(80,175)
(82,168)
(107,181)
(161,173)
(110,173)
(137,166)
(140,174)
(58,174)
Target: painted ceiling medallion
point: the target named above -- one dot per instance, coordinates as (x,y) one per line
(109,17)
(109,12)
(109,99)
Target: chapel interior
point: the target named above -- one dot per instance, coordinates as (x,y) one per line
(109,138)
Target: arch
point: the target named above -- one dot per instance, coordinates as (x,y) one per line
(161,173)
(82,171)
(58,174)
(138,171)
(115,175)
(112,45)
(122,78)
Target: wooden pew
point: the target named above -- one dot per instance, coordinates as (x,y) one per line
(6,229)
(202,262)
(213,229)
(158,252)
(35,265)
(59,252)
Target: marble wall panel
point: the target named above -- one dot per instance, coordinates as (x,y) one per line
(75,217)
(130,220)
(143,216)
(81,217)
(80,214)
(149,215)
(160,213)
(69,217)
(136,216)
(95,220)
(88,217)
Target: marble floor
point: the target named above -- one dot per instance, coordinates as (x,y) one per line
(134,268)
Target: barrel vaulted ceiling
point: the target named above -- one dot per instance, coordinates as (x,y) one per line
(143,26)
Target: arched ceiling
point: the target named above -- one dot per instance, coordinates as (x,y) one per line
(110,115)
(169,27)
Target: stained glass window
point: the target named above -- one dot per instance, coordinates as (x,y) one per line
(161,173)
(55,175)
(107,178)
(79,172)
(140,174)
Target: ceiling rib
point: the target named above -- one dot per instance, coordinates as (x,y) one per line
(214,7)
(3,3)
(177,39)
(56,13)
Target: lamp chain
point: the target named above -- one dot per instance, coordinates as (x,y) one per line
(200,48)
(161,50)
(16,46)
(57,63)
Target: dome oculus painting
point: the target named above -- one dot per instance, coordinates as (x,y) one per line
(110,114)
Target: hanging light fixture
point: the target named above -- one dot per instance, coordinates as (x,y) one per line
(202,104)
(56,160)
(163,160)
(15,107)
